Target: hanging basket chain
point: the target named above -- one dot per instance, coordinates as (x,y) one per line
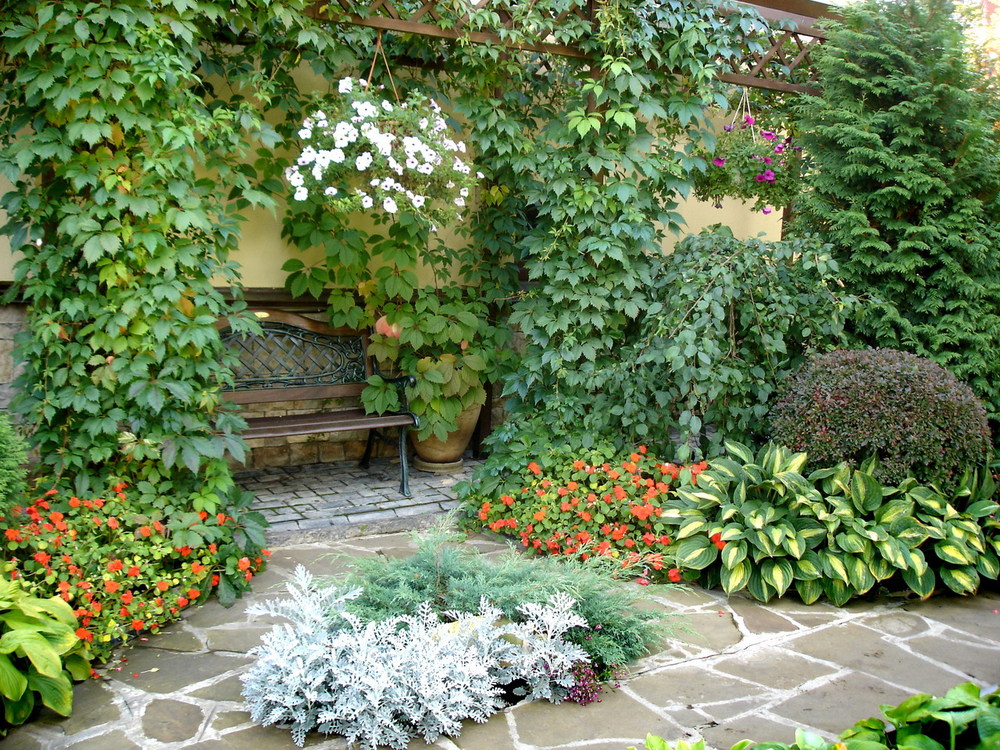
(379,49)
(744,108)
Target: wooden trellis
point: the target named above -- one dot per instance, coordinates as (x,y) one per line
(785,65)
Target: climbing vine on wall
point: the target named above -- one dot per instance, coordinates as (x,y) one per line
(128,131)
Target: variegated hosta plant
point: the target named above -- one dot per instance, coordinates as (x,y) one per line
(756,522)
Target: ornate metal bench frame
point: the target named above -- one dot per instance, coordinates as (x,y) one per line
(297,358)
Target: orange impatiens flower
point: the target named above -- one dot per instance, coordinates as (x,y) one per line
(539,515)
(111,586)
(243,564)
(534,468)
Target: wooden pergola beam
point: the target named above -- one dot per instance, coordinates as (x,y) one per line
(795,21)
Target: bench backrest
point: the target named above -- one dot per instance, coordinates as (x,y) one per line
(296,358)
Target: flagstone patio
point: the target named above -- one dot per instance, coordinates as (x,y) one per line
(732,669)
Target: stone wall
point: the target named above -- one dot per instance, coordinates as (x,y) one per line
(11,322)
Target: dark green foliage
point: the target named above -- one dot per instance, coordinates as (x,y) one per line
(454,577)
(12,457)
(914,416)
(587,166)
(906,183)
(728,321)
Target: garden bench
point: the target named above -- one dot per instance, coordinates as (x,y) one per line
(296,358)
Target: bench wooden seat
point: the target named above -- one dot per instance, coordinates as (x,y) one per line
(297,358)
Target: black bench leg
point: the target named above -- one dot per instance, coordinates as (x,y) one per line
(404,484)
(367,458)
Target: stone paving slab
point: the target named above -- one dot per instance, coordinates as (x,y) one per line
(751,670)
(738,669)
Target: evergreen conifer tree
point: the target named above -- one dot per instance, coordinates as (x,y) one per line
(906,183)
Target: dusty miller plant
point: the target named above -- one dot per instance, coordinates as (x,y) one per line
(383,683)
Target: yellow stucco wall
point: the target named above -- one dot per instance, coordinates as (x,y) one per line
(262,250)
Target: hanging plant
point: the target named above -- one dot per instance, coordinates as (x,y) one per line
(364,153)
(752,164)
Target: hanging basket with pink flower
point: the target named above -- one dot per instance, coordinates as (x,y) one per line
(752,163)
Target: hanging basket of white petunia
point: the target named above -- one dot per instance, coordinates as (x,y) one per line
(362,152)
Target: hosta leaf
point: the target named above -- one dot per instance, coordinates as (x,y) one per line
(727,469)
(866,492)
(763,542)
(38,650)
(850,542)
(794,545)
(56,692)
(696,553)
(759,589)
(909,531)
(809,591)
(833,566)
(733,554)
(735,578)
(12,681)
(953,552)
(778,573)
(837,592)
(921,584)
(963,580)
(808,567)
(982,508)
(740,451)
(880,568)
(691,527)
(894,551)
(988,565)
(860,576)
(894,510)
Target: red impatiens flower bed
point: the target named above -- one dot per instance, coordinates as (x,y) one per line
(594,505)
(122,572)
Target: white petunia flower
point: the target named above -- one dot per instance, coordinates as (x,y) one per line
(294,177)
(460,202)
(480,176)
(301,194)
(337,156)
(363,161)
(331,191)
(386,106)
(308,156)
(367,202)
(464,192)
(418,201)
(305,134)
(390,205)
(346,86)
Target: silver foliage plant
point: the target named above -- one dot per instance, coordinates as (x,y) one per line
(383,683)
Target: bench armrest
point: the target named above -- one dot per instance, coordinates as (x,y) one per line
(403,381)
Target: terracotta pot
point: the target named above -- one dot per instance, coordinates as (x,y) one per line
(444,456)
